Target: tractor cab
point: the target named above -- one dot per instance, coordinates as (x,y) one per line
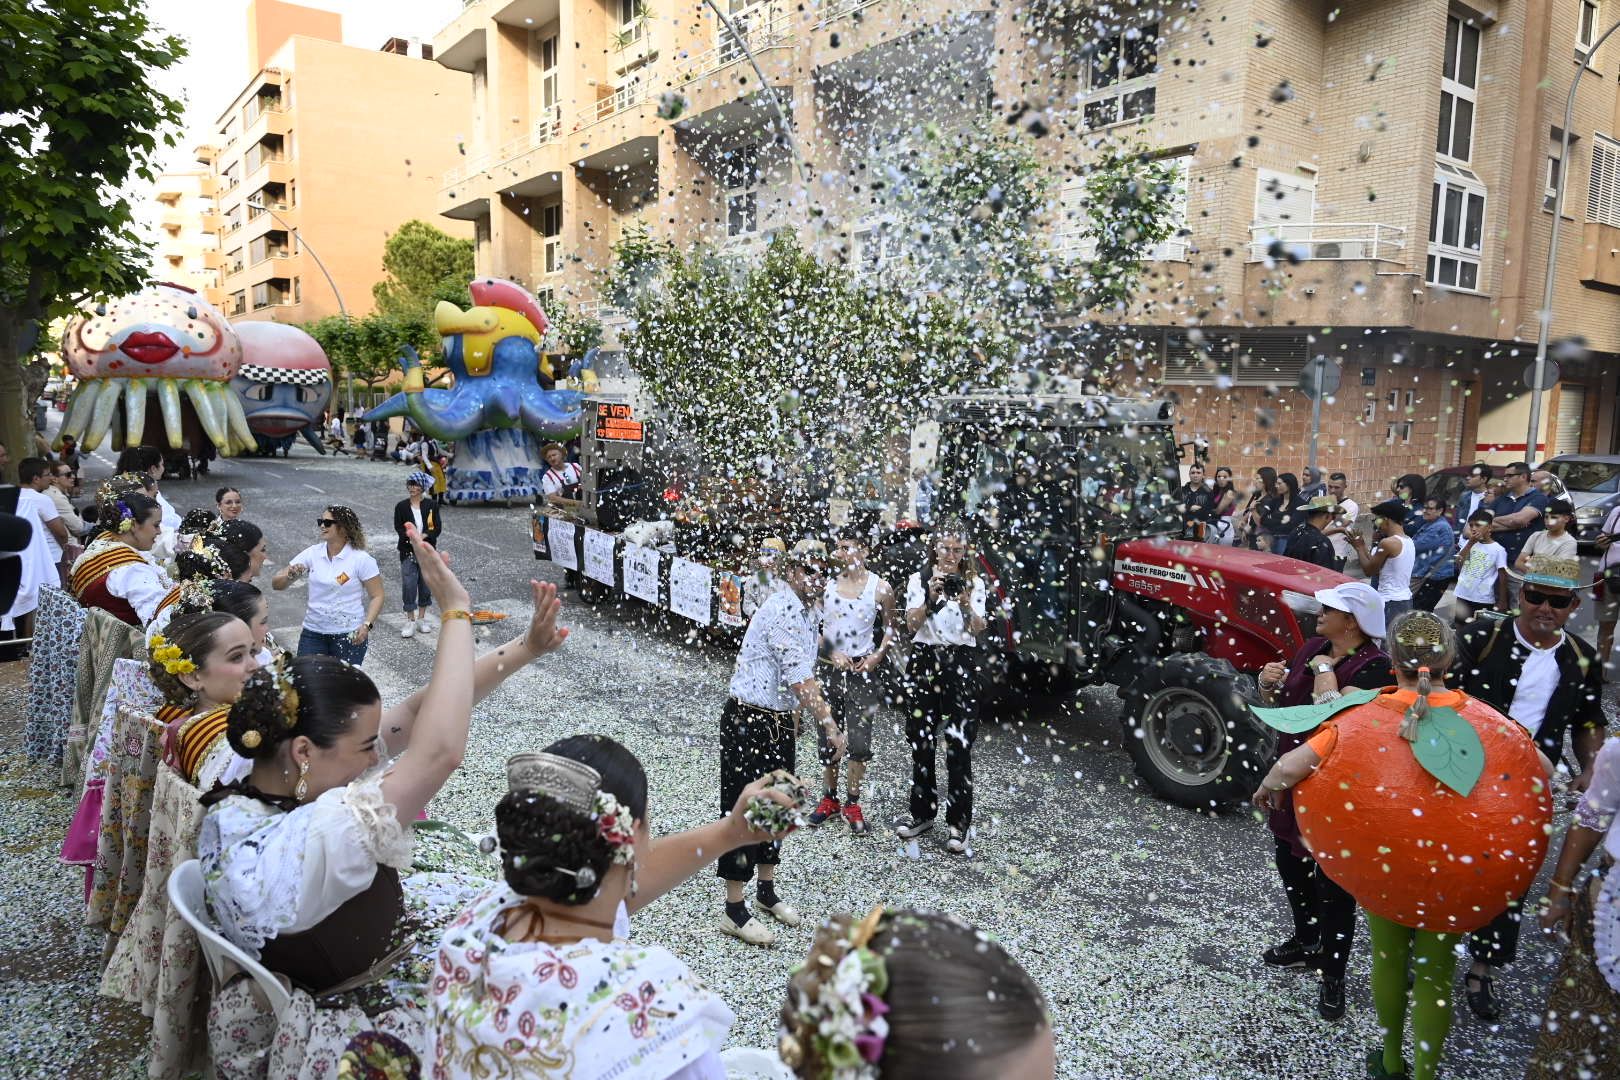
(1046,483)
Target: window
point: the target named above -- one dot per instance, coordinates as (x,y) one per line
(1284,208)
(1603,185)
(1586,26)
(1073,242)
(1555,167)
(1456,228)
(238,303)
(632,21)
(1459,79)
(1117,78)
(739,174)
(550,94)
(551,229)
(877,246)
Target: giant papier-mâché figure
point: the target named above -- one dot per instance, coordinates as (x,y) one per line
(501,409)
(284,384)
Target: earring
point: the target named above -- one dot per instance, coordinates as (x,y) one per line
(301,789)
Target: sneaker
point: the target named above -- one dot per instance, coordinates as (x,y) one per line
(957,843)
(781,911)
(410,629)
(856,820)
(1290,954)
(907,828)
(425,626)
(826,808)
(1330,999)
(752,932)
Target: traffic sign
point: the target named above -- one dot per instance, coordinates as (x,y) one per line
(1549,375)
(1319,376)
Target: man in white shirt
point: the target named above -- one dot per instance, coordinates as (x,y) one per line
(35,474)
(1344,520)
(44,551)
(64,485)
(774,676)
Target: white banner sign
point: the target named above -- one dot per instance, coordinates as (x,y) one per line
(563,552)
(691,590)
(599,556)
(641,572)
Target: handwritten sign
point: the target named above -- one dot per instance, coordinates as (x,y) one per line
(731,599)
(599,556)
(563,551)
(691,590)
(641,572)
(616,422)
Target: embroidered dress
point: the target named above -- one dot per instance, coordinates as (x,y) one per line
(578,1011)
(315,894)
(116,578)
(107,639)
(126,815)
(58,631)
(198,750)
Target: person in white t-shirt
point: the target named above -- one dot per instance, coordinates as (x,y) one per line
(1555,541)
(946,614)
(1482,575)
(44,551)
(561,480)
(1344,519)
(35,475)
(345,588)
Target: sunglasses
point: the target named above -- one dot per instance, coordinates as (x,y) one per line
(1535,598)
(325,523)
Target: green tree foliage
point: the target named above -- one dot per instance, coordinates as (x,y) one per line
(572,332)
(368,349)
(423,266)
(79,121)
(1128,199)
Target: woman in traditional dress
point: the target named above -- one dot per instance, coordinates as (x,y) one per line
(910,993)
(247,538)
(117,573)
(302,858)
(201,662)
(551,946)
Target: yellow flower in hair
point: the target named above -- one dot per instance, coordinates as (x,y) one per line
(179,667)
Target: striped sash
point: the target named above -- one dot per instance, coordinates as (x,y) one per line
(167,602)
(92,568)
(197,736)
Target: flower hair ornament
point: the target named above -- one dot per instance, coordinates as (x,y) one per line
(837,1009)
(197,594)
(174,661)
(281,678)
(126,517)
(576,786)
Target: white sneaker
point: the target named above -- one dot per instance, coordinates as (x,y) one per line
(957,843)
(410,629)
(425,626)
(781,911)
(752,932)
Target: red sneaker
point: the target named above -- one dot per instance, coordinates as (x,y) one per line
(826,808)
(857,820)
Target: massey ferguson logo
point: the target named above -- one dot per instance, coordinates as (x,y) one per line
(1154,572)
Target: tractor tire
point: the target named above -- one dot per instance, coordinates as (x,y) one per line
(1191,735)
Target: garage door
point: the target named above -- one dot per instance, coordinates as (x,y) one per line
(1571,407)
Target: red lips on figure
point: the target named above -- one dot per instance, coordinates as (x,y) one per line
(148,348)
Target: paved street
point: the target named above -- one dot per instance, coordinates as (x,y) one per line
(1142,922)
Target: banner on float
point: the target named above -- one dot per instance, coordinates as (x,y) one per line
(599,556)
(691,590)
(537,530)
(730,591)
(563,551)
(641,572)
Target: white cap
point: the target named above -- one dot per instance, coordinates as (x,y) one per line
(1358,600)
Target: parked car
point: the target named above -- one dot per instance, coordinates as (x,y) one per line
(1592,482)
(1450,483)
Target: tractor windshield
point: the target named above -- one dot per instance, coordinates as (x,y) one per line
(1128,479)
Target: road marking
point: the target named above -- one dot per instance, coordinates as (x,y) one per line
(315,489)
(480,543)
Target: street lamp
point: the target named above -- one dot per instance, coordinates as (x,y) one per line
(770,92)
(303,242)
(1545,328)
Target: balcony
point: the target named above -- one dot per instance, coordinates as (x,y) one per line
(206,153)
(213,259)
(286,265)
(207,185)
(269,170)
(174,220)
(1073,244)
(269,121)
(845,29)
(462,44)
(759,28)
(521,166)
(620,130)
(1314,240)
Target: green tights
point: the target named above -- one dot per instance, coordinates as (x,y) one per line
(1433,961)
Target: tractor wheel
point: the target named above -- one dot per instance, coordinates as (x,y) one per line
(1191,734)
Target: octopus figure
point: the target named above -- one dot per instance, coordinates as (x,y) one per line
(284,384)
(502,407)
(168,356)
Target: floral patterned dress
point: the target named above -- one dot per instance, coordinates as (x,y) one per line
(577,1011)
(58,631)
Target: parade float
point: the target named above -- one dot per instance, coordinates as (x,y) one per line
(503,405)
(285,387)
(156,369)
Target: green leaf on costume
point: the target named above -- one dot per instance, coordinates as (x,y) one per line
(1448,748)
(1294,719)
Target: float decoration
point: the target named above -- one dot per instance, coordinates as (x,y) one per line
(499,412)
(284,384)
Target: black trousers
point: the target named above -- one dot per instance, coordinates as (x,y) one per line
(1497,942)
(753,742)
(944,705)
(1428,595)
(1323,912)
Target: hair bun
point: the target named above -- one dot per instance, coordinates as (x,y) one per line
(549,850)
(258,721)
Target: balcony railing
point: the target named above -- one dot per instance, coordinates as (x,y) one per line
(758,28)
(834,10)
(622,99)
(1075,244)
(602,312)
(546,130)
(1328,240)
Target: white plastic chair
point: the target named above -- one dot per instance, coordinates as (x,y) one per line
(748,1063)
(186,894)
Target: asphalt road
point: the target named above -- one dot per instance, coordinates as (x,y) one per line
(1143,923)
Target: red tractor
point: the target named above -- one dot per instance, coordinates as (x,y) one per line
(1070,501)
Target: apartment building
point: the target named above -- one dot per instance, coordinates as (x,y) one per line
(182,204)
(323,152)
(1367,182)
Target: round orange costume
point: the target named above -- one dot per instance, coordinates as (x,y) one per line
(1405,845)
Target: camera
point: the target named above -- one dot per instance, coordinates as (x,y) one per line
(952,585)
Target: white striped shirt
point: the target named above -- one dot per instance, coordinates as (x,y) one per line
(778,652)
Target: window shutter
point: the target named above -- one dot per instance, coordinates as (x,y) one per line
(1603,186)
(1269,361)
(1280,199)
(1202,364)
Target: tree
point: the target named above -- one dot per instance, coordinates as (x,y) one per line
(79,120)
(1128,198)
(573,332)
(368,349)
(424,265)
